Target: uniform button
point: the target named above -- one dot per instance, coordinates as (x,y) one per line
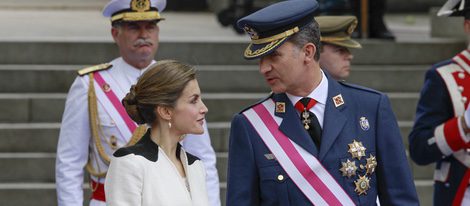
(460,89)
(461,75)
(280,177)
(447,184)
(113,123)
(464,99)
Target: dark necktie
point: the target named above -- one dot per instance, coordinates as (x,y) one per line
(309,120)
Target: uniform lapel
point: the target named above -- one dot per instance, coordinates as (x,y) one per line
(291,125)
(334,119)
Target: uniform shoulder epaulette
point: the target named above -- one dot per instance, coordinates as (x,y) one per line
(95,68)
(258,102)
(358,87)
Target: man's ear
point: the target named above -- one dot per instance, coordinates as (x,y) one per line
(114,33)
(164,112)
(466,26)
(310,50)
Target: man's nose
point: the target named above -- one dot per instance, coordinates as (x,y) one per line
(264,66)
(143,33)
(350,56)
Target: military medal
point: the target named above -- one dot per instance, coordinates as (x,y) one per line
(306,120)
(364,123)
(106,88)
(113,142)
(357,150)
(349,168)
(370,165)
(362,185)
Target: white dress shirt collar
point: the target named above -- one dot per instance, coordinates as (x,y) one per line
(319,94)
(130,71)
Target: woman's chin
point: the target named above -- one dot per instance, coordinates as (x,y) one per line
(198,131)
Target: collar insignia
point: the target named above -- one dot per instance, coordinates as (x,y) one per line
(280,107)
(338,100)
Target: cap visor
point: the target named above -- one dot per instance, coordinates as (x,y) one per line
(346,43)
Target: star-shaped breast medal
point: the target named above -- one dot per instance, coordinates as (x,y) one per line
(348,168)
(362,185)
(357,150)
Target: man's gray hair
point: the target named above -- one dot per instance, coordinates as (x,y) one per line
(309,34)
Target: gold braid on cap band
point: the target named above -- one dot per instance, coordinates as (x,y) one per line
(276,37)
(136,16)
(334,38)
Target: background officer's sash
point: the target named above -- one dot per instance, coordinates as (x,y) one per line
(117,111)
(302,167)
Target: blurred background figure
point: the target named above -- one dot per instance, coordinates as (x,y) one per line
(336,41)
(376,10)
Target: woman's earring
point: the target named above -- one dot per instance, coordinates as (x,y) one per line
(169,124)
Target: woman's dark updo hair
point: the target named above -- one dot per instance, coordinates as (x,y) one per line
(162,84)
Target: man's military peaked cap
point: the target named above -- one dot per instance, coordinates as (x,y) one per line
(134,10)
(271,26)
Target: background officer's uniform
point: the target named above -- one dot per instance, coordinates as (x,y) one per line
(361,146)
(77,146)
(437,135)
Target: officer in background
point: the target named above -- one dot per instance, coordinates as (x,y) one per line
(335,56)
(314,140)
(441,131)
(95,124)
(376,11)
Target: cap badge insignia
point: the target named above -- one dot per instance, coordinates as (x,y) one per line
(140,5)
(250,31)
(338,100)
(280,107)
(351,28)
(370,165)
(348,168)
(362,185)
(106,88)
(357,150)
(364,123)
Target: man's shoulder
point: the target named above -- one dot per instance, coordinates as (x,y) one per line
(443,65)
(95,68)
(357,89)
(256,103)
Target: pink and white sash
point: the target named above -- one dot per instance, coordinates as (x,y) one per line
(117,111)
(302,167)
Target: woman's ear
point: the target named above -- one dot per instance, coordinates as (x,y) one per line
(164,112)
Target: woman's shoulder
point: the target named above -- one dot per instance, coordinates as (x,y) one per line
(147,151)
